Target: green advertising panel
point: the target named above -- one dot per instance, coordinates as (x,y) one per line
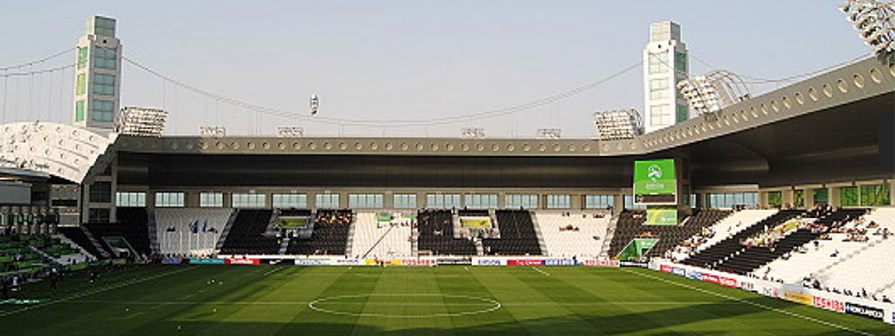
(291,222)
(661,215)
(655,182)
(637,248)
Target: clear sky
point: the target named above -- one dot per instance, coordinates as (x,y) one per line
(406,60)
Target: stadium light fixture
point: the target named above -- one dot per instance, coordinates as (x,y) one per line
(139,121)
(618,124)
(875,21)
(713,91)
(213,131)
(472,133)
(290,132)
(549,133)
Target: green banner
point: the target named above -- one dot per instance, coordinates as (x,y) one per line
(291,222)
(655,182)
(637,248)
(661,215)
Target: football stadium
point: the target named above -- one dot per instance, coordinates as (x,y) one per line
(716,210)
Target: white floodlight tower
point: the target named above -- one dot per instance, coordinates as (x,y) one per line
(618,124)
(875,21)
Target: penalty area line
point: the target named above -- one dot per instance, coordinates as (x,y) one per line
(765,307)
(540,271)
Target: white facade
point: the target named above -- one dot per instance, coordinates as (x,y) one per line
(97,76)
(664,65)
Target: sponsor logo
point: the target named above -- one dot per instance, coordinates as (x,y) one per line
(312,262)
(798,297)
(769,291)
(488,262)
(240,261)
(665,268)
(525,262)
(679,271)
(694,274)
(829,304)
(453,262)
(861,310)
(559,262)
(348,262)
(710,278)
(727,282)
(412,262)
(172,261)
(654,172)
(206,261)
(747,286)
(601,263)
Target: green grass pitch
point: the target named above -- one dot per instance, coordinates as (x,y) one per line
(446,300)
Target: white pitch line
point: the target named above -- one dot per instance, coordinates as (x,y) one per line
(777,310)
(94,291)
(540,271)
(289,303)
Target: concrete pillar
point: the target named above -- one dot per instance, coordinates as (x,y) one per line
(809,198)
(833,196)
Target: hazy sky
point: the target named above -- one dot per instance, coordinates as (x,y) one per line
(406,60)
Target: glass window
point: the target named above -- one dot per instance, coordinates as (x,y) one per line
(130,199)
(848,196)
(211,200)
(481,201)
(443,201)
(327,201)
(658,63)
(81,87)
(405,201)
(522,201)
(101,192)
(365,201)
(82,57)
(99,215)
(875,195)
(660,115)
(103,84)
(289,200)
(821,195)
(683,113)
(102,110)
(169,199)
(105,58)
(249,201)
(559,201)
(680,62)
(775,198)
(798,198)
(599,201)
(729,200)
(658,88)
(79,110)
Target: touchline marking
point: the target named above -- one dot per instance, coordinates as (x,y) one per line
(277,269)
(95,291)
(290,303)
(781,311)
(539,270)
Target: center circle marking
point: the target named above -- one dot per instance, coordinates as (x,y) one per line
(495,305)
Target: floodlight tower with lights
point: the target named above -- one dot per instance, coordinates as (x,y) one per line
(713,91)
(874,21)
